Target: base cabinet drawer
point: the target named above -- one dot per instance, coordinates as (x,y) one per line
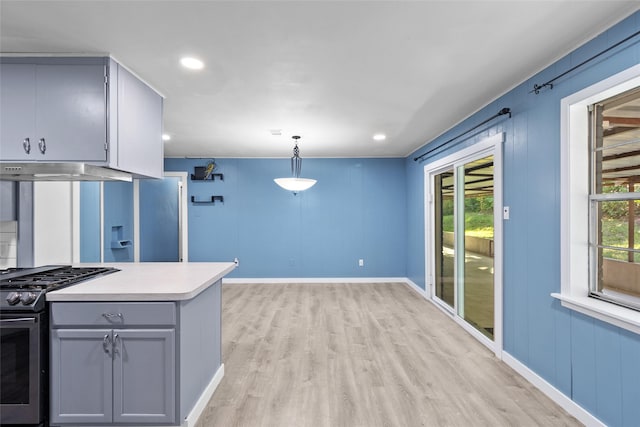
(113,314)
(104,376)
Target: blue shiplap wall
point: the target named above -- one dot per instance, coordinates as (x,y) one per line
(89,221)
(596,364)
(118,212)
(356,210)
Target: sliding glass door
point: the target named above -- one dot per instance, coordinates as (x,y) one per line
(444,237)
(477,268)
(462,240)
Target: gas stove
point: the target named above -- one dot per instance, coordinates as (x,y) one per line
(23,289)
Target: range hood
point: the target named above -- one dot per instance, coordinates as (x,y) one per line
(41,171)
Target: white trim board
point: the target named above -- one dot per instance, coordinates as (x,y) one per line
(205,397)
(553,393)
(276,280)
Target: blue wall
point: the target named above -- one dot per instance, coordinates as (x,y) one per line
(594,363)
(89,221)
(357,210)
(118,220)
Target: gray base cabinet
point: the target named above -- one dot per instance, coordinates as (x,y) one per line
(124,374)
(81,386)
(144,376)
(133,363)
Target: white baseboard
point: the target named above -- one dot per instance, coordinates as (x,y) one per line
(204,399)
(553,393)
(315,280)
(416,288)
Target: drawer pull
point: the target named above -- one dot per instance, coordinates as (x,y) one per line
(112,316)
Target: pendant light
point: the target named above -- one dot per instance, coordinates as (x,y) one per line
(295,183)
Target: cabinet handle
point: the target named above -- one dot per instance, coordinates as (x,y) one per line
(106,343)
(116,338)
(26,144)
(112,316)
(42,145)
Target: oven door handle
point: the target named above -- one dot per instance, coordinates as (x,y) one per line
(19,320)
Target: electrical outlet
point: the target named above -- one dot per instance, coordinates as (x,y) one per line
(237,261)
(361,262)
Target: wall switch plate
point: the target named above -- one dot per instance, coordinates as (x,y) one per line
(505,212)
(361,262)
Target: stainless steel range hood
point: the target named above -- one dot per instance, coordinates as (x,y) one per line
(40,171)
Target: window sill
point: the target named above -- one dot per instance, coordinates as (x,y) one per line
(607,312)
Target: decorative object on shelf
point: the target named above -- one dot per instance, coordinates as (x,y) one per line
(295,184)
(212,201)
(203,173)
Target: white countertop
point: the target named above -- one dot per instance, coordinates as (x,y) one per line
(149,281)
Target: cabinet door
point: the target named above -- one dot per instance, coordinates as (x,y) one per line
(81,376)
(71,113)
(144,376)
(140,147)
(17,111)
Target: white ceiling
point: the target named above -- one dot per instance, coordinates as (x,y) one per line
(333,72)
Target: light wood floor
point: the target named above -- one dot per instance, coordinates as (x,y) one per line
(360,355)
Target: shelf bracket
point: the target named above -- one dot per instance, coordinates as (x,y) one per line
(212,201)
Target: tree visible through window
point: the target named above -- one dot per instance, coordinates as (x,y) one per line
(615,199)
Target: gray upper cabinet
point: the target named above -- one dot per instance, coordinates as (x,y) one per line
(18,107)
(71,113)
(139,126)
(67,109)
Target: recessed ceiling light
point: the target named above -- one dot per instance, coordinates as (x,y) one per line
(192,63)
(379,137)
(166,137)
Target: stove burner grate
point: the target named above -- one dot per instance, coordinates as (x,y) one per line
(53,279)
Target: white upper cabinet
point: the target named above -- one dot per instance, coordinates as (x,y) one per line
(79,110)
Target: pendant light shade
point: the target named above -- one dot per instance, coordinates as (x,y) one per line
(295,183)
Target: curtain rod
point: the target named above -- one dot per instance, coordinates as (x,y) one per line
(536,87)
(498,114)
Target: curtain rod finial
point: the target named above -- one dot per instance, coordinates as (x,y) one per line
(505,111)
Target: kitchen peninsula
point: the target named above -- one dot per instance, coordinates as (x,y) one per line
(141,346)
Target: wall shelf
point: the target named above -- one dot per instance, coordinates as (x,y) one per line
(212,201)
(120,244)
(200,174)
(117,239)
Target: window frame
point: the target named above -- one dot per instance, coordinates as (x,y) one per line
(575,202)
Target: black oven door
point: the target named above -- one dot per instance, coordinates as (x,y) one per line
(22,368)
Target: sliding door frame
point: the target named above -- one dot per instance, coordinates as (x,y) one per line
(489,146)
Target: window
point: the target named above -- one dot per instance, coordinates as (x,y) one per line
(614,215)
(600,200)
